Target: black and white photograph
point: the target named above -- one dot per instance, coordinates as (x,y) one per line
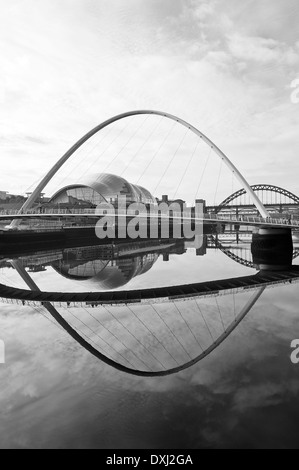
(149,227)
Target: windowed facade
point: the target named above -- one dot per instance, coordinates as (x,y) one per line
(101,188)
(79,196)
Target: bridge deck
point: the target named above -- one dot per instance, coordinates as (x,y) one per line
(153,295)
(184,218)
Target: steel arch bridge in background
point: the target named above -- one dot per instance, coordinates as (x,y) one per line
(256,188)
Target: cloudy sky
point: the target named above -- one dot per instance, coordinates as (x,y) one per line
(224,66)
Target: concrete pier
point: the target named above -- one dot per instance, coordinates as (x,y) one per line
(272,249)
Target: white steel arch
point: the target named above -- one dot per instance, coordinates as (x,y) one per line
(40,187)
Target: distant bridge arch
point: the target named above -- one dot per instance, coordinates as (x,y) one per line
(248,263)
(256,188)
(41,186)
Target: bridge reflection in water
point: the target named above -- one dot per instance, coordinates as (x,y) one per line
(152,331)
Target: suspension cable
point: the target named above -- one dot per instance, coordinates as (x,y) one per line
(157,151)
(203,172)
(142,145)
(186,169)
(173,157)
(125,145)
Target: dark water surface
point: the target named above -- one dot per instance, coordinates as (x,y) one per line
(55,394)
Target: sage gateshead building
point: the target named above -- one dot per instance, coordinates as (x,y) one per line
(96,189)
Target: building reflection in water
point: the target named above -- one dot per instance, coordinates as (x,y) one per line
(83,263)
(152,337)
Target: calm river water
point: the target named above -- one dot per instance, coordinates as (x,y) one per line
(56,394)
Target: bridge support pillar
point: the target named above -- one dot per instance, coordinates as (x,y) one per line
(272,248)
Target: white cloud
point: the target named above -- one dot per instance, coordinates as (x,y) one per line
(66,66)
(262,50)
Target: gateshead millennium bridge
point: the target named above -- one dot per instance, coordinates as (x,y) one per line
(268,212)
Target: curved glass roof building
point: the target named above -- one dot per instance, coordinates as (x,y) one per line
(105,187)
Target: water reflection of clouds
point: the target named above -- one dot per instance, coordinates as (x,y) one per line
(180,269)
(246,380)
